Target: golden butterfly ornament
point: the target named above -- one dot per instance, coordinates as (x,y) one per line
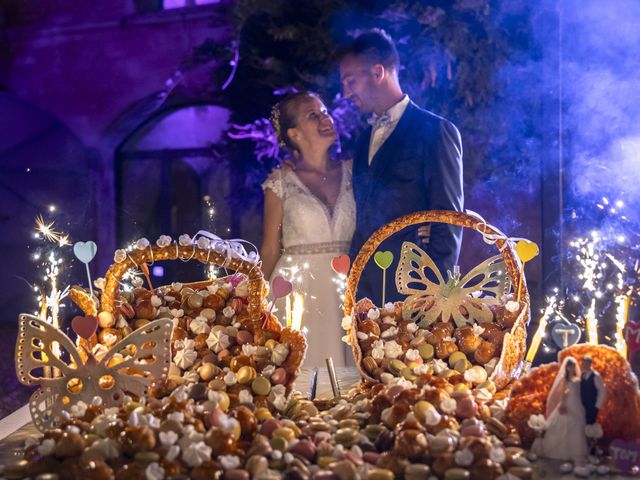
(465,300)
(128,368)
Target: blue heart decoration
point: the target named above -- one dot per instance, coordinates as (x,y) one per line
(565,334)
(85,251)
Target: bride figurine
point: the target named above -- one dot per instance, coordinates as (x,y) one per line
(564,437)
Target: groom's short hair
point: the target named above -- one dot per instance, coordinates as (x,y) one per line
(376,46)
(587,359)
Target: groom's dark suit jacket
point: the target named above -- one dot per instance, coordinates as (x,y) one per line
(419,167)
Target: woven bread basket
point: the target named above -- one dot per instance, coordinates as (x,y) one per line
(511,357)
(257,319)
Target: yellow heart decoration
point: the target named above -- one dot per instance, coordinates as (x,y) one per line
(527,250)
(383,259)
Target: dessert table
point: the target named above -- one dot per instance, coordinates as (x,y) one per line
(16,427)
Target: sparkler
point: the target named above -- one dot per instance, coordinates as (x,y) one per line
(211,270)
(622,315)
(50,303)
(298,311)
(296,274)
(542,328)
(46,230)
(591,323)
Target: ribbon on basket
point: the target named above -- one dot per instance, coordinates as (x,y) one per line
(526,249)
(233,248)
(492,238)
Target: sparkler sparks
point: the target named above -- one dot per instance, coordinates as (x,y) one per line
(542,328)
(607,264)
(47,231)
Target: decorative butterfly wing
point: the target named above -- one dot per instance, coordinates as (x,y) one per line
(429,301)
(42,348)
(147,360)
(411,279)
(149,357)
(484,285)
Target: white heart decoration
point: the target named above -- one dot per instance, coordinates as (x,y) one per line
(85,251)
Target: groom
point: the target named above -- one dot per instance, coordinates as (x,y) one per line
(592,391)
(408,161)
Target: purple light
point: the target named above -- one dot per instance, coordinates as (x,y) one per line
(158,271)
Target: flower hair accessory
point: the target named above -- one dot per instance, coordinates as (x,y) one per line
(275,123)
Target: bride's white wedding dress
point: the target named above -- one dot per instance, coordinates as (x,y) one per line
(312,235)
(564,437)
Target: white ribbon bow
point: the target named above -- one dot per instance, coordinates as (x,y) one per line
(233,248)
(492,238)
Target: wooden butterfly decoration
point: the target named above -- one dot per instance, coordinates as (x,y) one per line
(41,347)
(465,300)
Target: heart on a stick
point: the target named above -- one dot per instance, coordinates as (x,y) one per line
(383,259)
(341,264)
(85,251)
(527,250)
(84,327)
(281,287)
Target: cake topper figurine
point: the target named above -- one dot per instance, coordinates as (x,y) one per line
(129,367)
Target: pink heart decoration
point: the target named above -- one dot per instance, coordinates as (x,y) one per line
(625,455)
(281,287)
(341,264)
(85,327)
(632,335)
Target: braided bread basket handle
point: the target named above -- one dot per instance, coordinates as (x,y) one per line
(155,253)
(460,219)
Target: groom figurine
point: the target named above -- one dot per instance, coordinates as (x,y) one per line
(408,161)
(592,391)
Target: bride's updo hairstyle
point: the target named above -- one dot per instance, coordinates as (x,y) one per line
(284,115)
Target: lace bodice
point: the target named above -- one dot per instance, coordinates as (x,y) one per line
(307,220)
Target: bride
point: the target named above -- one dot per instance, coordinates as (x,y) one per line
(565,438)
(309,218)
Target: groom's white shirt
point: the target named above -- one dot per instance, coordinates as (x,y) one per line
(380,134)
(599,386)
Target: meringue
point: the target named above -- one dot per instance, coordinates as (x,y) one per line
(163,241)
(392,349)
(218,341)
(185,358)
(373,314)
(196,453)
(154,472)
(199,325)
(464,458)
(279,354)
(46,447)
